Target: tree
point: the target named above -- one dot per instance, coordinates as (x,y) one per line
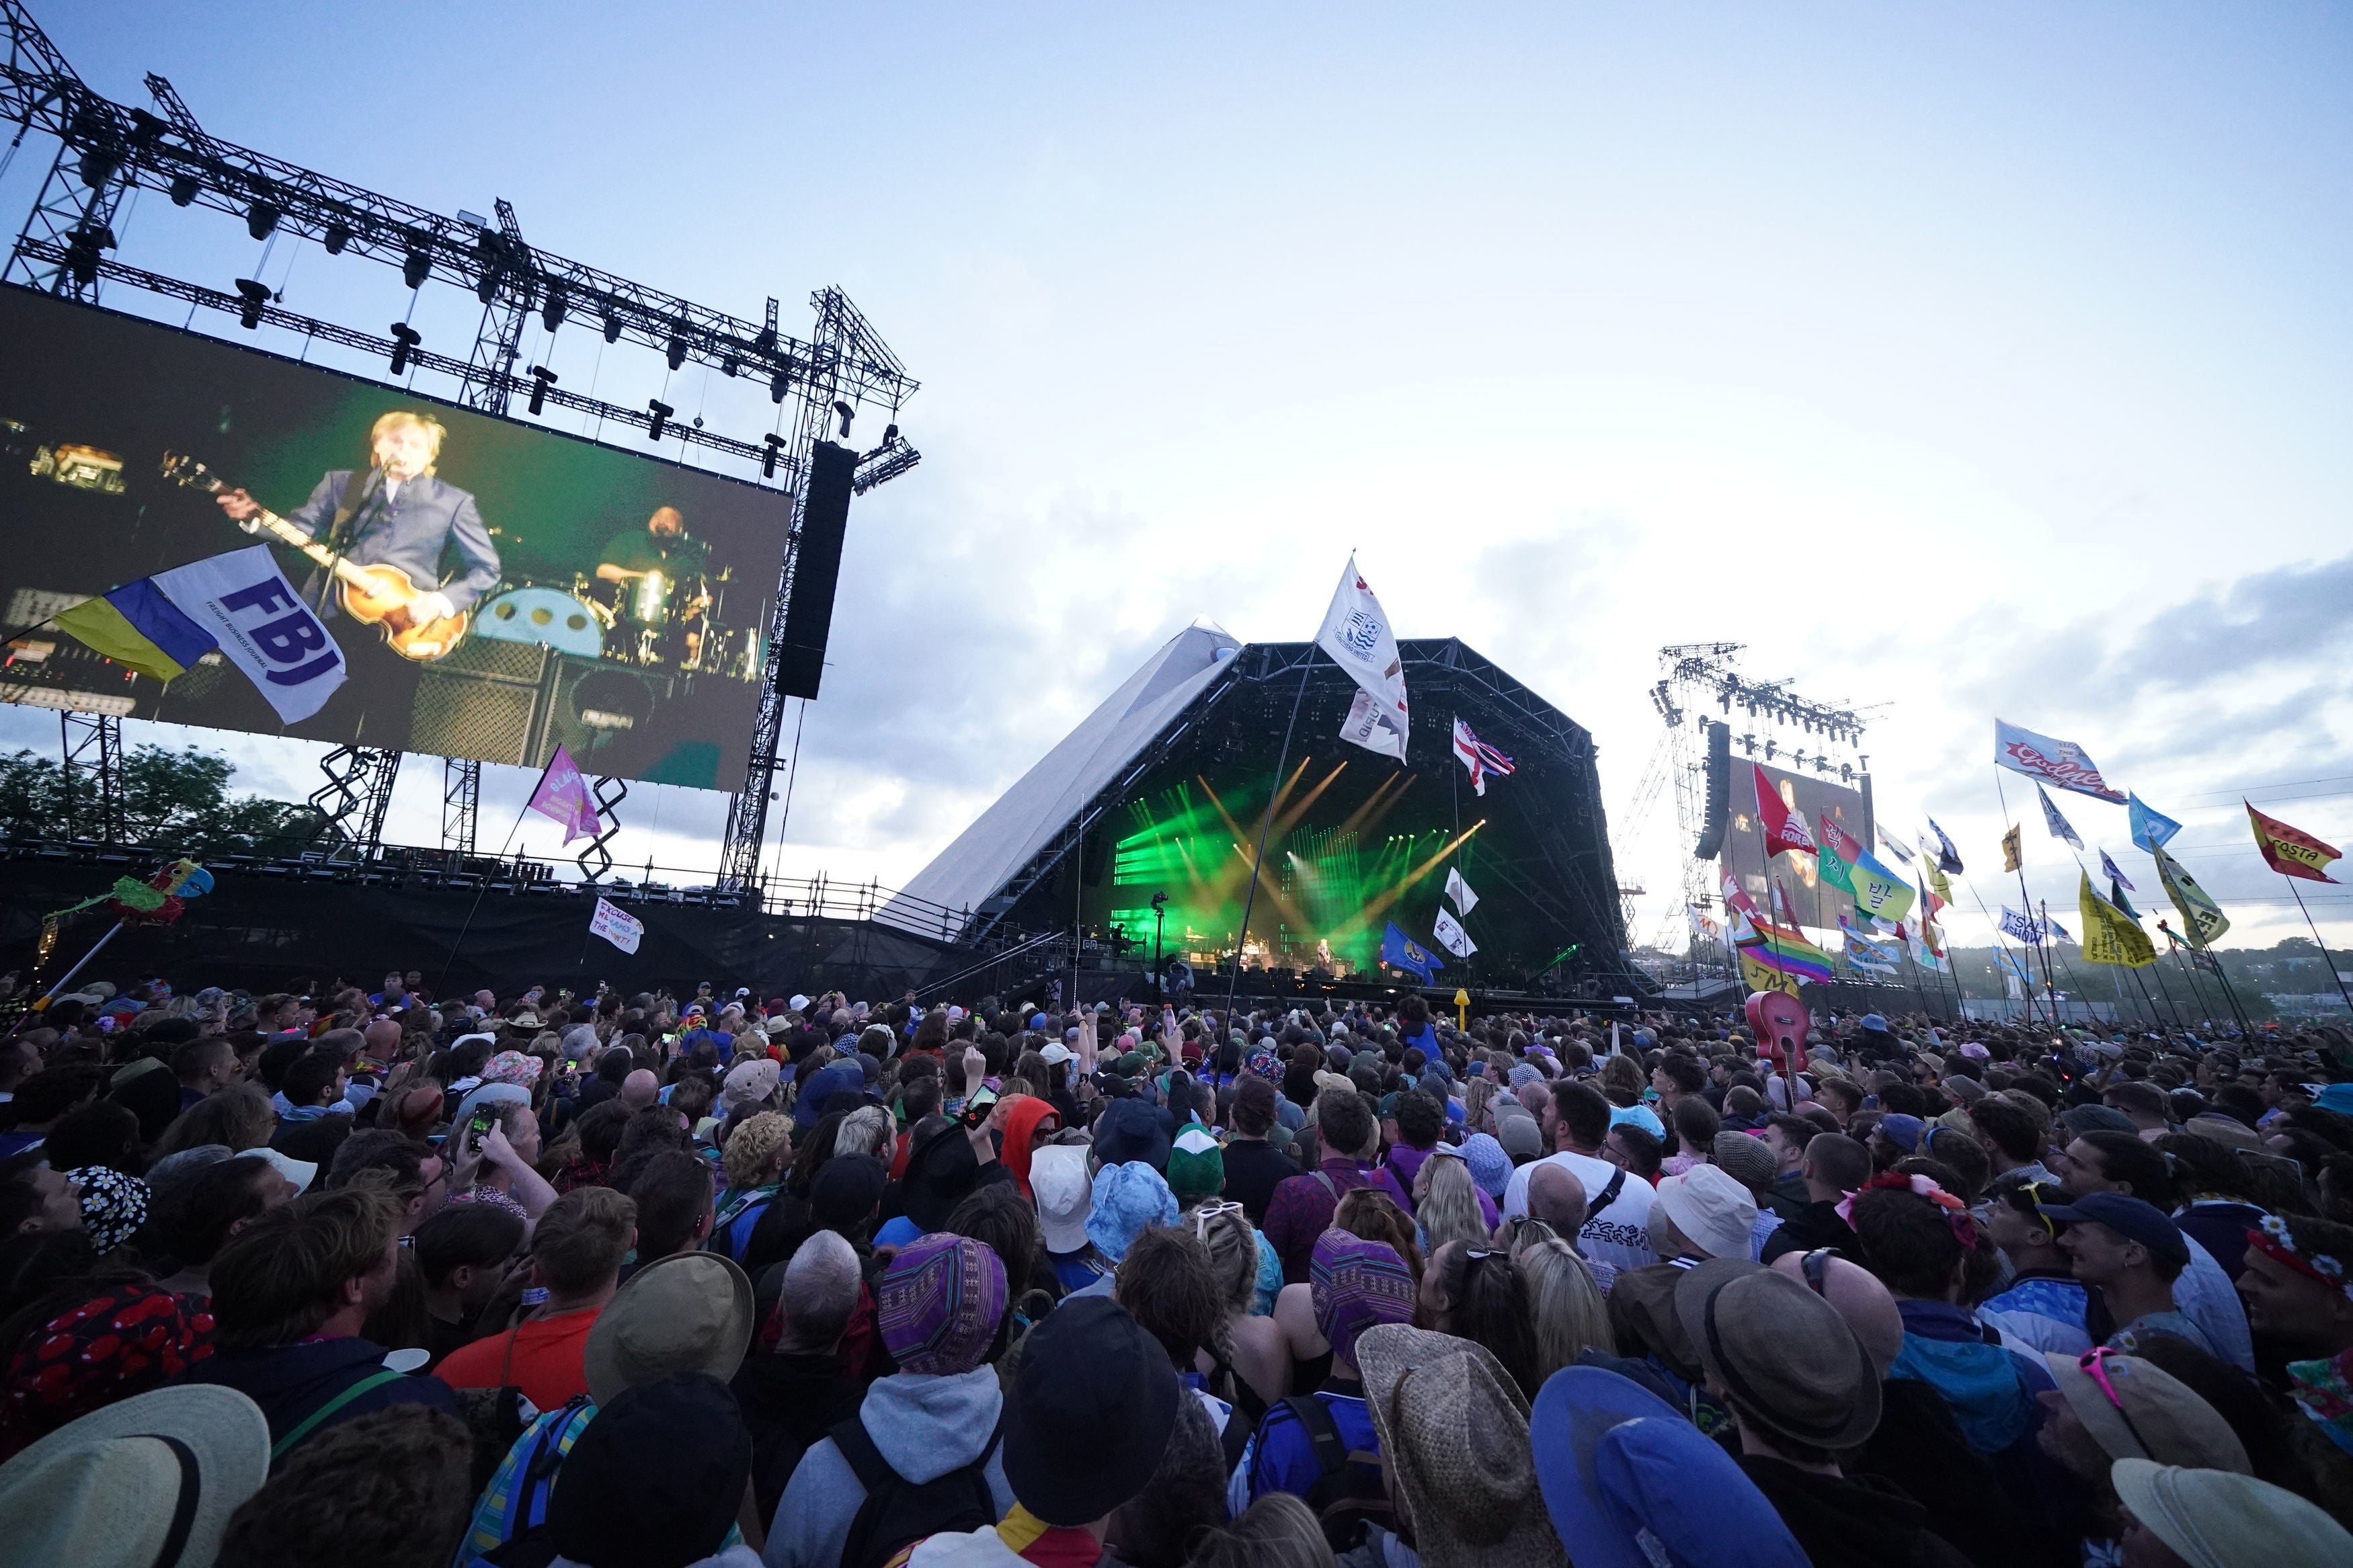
(178,802)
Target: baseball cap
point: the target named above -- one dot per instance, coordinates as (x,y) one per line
(2134,1219)
(1065,1192)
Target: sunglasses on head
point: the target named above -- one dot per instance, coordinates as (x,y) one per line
(2095,1363)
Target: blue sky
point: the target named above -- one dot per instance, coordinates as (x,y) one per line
(1967,362)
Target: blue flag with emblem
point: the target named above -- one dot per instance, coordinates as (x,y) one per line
(1399,950)
(2149,828)
(2109,865)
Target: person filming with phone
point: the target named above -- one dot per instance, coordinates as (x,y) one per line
(497,1139)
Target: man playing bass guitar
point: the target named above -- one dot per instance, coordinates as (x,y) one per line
(395,513)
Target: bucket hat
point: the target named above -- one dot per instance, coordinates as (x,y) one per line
(690,1311)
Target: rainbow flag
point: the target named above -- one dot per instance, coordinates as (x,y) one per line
(137,628)
(1777,947)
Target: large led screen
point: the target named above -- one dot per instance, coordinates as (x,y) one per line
(587,598)
(1816,902)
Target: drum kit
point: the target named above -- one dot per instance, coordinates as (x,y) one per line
(654,621)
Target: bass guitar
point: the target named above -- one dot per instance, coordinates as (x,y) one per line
(378,597)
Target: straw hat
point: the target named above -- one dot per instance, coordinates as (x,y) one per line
(690,1311)
(1454,1438)
(146,1483)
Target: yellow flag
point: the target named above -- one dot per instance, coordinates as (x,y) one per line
(1937,881)
(2010,857)
(2109,936)
(1762,977)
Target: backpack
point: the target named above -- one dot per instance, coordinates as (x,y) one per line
(731,1232)
(524,1540)
(1348,1495)
(899,1512)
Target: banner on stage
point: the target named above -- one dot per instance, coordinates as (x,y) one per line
(616,926)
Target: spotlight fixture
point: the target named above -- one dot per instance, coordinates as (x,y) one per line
(338,235)
(542,378)
(551,314)
(677,346)
(405,339)
(260,218)
(843,412)
(146,129)
(82,246)
(418,268)
(256,295)
(779,384)
(727,367)
(183,190)
(612,326)
(661,412)
(775,448)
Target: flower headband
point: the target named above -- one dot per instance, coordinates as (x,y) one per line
(2273,1241)
(1956,1213)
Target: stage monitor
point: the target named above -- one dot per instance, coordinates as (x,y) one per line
(1816,902)
(611,603)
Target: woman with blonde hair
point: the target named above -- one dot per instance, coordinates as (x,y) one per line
(1278,1531)
(1565,1306)
(1261,1349)
(1446,1202)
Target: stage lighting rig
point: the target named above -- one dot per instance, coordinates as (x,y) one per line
(404,340)
(542,379)
(261,219)
(337,235)
(660,413)
(256,296)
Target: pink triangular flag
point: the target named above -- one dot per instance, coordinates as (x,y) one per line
(563,795)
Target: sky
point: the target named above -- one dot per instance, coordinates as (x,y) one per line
(1963,362)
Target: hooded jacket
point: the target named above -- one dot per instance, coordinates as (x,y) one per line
(1020,1127)
(924,1424)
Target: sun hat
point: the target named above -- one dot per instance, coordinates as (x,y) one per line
(1197,1166)
(1710,1207)
(690,1311)
(2214,1519)
(91,1493)
(118,1340)
(1902,1131)
(1130,1132)
(749,1083)
(1619,1469)
(1126,1198)
(1089,1414)
(1454,1441)
(604,1512)
(1355,1284)
(939,1302)
(1491,1167)
(2135,1410)
(1781,1350)
(832,1079)
(114,1205)
(1065,1193)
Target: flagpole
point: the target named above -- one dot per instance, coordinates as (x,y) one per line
(2166,992)
(442,984)
(1999,933)
(2324,959)
(1282,763)
(2050,991)
(2197,995)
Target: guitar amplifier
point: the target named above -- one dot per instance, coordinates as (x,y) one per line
(603,714)
(485,701)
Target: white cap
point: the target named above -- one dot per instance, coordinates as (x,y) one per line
(1065,1192)
(1056,1053)
(797,1004)
(1711,1209)
(299,1171)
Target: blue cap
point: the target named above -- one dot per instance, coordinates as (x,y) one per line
(2134,1219)
(1902,1131)
(2336,1097)
(1629,1482)
(1873,1021)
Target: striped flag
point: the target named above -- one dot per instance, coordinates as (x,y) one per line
(1478,756)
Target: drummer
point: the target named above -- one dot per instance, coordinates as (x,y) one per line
(663,545)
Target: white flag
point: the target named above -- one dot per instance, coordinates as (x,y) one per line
(1368,725)
(1452,936)
(1358,637)
(615,925)
(1895,846)
(1460,892)
(243,601)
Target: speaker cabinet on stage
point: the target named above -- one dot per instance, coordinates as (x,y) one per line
(816,569)
(483,701)
(1718,780)
(605,715)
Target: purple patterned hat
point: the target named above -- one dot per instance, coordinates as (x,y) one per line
(939,1302)
(1356,1285)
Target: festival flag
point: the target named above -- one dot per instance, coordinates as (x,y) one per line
(1460,892)
(1864,953)
(1399,950)
(1355,632)
(1783,909)
(2012,965)
(1948,860)
(1897,846)
(1837,854)
(1940,885)
(1880,892)
(2116,895)
(1928,949)
(1736,899)
(1704,926)
(2109,865)
(2058,826)
(2058,932)
(1785,949)
(563,794)
(1784,829)
(1451,935)
(616,925)
(2060,762)
(137,628)
(1479,757)
(2012,856)
(2023,927)
(2108,936)
(2290,851)
(2202,919)
(2149,828)
(1761,976)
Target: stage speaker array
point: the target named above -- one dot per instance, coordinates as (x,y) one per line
(516,702)
(816,569)
(1718,777)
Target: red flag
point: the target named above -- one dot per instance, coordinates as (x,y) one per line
(1784,828)
(1737,899)
(2290,851)
(1842,843)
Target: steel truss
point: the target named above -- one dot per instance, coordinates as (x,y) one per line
(91,762)
(108,149)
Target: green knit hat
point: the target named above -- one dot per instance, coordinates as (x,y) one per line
(1197,1167)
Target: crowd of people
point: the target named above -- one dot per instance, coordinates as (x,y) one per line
(371,1278)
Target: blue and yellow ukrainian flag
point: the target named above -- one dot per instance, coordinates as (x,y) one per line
(137,628)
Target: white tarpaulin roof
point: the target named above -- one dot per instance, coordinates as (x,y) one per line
(1042,803)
